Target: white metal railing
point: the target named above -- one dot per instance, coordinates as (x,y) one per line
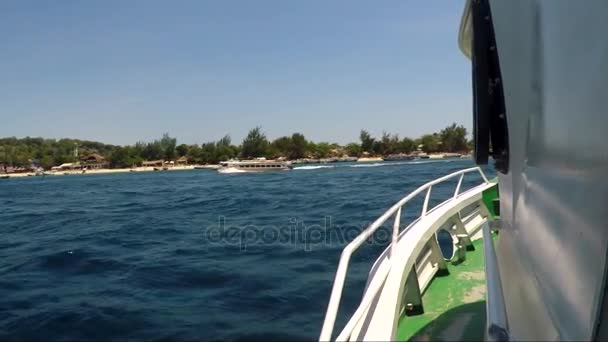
(376,285)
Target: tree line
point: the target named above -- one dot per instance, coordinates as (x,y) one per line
(51,152)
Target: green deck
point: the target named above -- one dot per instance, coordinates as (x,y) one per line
(454,304)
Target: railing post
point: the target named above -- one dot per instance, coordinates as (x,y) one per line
(426,201)
(458,185)
(437,255)
(461,231)
(483,175)
(396,232)
(412,298)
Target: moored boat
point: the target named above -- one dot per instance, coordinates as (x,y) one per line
(398,157)
(369,159)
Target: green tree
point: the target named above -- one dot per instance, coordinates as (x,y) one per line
(430,143)
(208,153)
(255,144)
(280,147)
(167,145)
(320,150)
(194,153)
(353,150)
(224,149)
(47,162)
(407,145)
(152,151)
(226,140)
(182,150)
(120,157)
(299,145)
(454,138)
(367,142)
(388,144)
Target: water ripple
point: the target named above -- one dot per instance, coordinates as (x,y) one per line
(189,255)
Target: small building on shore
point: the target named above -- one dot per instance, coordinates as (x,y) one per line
(181,161)
(94,161)
(66,166)
(153,163)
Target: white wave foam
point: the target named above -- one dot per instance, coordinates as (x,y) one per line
(380,164)
(313,167)
(434,161)
(369,165)
(230,170)
(409,162)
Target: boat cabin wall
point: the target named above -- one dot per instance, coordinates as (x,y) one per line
(553,241)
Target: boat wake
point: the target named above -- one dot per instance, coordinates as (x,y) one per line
(378,164)
(433,161)
(314,167)
(230,170)
(317,167)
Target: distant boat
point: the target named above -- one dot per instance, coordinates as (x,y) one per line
(258,165)
(369,159)
(206,167)
(419,154)
(400,156)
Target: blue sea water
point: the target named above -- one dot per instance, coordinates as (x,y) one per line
(195,254)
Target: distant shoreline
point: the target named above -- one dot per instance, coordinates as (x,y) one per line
(107,171)
(178,168)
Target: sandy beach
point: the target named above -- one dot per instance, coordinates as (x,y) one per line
(104,171)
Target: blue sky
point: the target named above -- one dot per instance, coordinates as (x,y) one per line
(122,71)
